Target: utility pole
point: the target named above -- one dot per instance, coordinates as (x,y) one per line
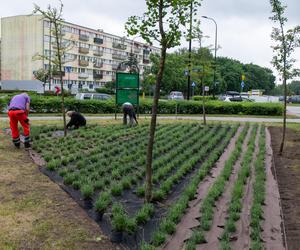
(215,57)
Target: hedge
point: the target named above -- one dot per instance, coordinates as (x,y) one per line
(53,105)
(207,98)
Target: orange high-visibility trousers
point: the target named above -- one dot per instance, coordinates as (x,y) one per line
(16,116)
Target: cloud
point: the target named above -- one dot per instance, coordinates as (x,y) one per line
(243,26)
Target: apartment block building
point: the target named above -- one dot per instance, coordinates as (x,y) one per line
(91,60)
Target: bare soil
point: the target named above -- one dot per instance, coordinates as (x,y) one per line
(287,168)
(35,213)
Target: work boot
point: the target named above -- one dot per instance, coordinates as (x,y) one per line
(27,144)
(16,142)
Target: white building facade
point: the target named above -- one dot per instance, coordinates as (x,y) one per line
(90,62)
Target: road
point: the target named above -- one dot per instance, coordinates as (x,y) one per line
(294,110)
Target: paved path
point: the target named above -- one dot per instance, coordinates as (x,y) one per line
(293,110)
(210,118)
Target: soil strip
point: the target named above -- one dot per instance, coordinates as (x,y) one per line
(242,236)
(190,219)
(273,224)
(218,223)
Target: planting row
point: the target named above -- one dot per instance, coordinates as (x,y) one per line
(176,211)
(106,163)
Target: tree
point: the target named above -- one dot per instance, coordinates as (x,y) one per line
(42,75)
(198,34)
(162,22)
(257,77)
(54,16)
(294,87)
(286,42)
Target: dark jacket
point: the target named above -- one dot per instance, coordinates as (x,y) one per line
(77,120)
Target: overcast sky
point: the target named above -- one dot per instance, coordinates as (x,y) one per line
(243,26)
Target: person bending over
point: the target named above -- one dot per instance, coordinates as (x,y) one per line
(128,109)
(77,120)
(18,111)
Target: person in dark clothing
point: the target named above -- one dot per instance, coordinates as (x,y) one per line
(128,109)
(77,120)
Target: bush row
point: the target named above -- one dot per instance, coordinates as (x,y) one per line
(53,105)
(207,98)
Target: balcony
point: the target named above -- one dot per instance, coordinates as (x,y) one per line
(97,76)
(83,37)
(115,67)
(98,40)
(63,32)
(98,53)
(118,56)
(56,74)
(137,50)
(83,50)
(146,60)
(83,75)
(83,63)
(118,45)
(98,65)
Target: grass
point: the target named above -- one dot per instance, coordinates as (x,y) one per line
(31,212)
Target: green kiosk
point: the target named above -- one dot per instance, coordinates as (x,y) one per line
(127,89)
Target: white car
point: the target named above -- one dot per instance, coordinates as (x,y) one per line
(176,95)
(94,96)
(236,99)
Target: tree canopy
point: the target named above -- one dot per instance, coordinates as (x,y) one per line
(229,72)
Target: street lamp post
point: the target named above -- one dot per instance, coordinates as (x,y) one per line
(215,59)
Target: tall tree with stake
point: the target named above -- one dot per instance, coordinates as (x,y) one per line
(54,16)
(286,42)
(162,22)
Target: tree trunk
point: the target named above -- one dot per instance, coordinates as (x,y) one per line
(148,191)
(203,106)
(284,117)
(284,84)
(203,95)
(61,77)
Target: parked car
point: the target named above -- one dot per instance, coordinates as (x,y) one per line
(175,95)
(236,99)
(93,96)
(294,99)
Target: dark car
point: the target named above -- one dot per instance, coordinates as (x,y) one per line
(294,99)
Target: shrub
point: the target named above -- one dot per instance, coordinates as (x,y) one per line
(102,202)
(53,105)
(207,98)
(87,191)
